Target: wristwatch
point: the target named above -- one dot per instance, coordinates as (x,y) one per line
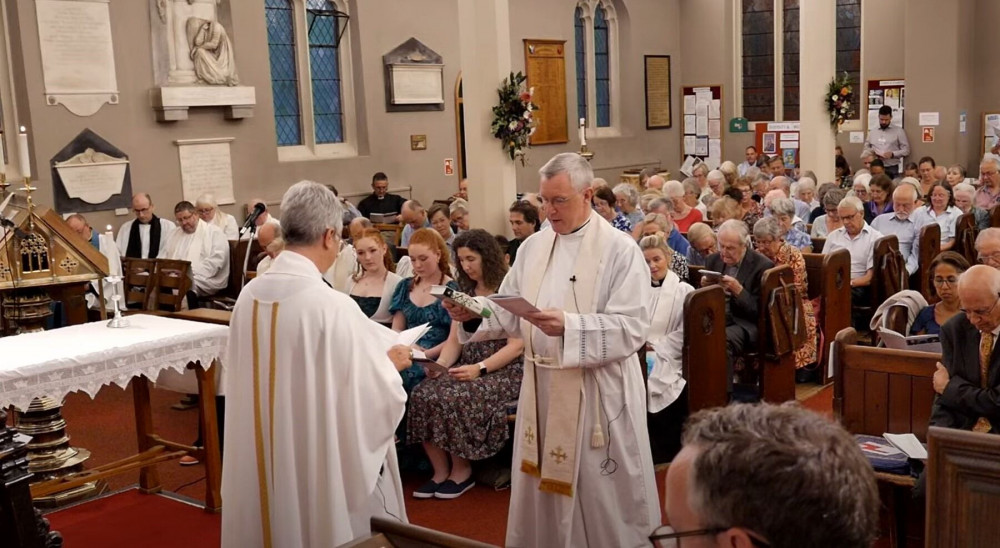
(482,369)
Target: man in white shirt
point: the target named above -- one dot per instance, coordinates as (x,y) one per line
(144,237)
(888,142)
(415,217)
(901,223)
(204,246)
(106,245)
(751,160)
(859,240)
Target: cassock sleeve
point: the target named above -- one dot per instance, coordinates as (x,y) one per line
(166,229)
(619,330)
(217,259)
(232,231)
(122,240)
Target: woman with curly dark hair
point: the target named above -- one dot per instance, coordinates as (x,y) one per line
(461,416)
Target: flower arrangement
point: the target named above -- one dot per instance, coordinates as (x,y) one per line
(513,122)
(839,102)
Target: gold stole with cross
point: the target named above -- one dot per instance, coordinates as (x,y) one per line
(558,456)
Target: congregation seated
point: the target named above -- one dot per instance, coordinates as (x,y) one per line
(666,393)
(649,179)
(784,184)
(458,212)
(769,475)
(955,175)
(627,201)
(380,201)
(927,168)
(805,192)
(988,194)
(742,269)
(414,217)
(145,236)
(106,245)
(604,204)
(461,416)
(770,241)
(858,238)
(911,170)
(716,185)
(743,194)
(524,222)
(965,201)
(657,224)
(663,207)
(692,193)
(842,171)
(208,210)
(204,246)
(778,194)
(684,215)
(903,223)
(412,303)
(462,193)
(944,272)
(818,210)
(828,221)
(725,209)
(270,240)
(880,189)
(859,187)
(988,247)
(783,210)
(968,379)
(940,209)
(441,223)
(703,243)
(375,283)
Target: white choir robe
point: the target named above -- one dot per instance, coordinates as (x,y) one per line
(666,337)
(208,251)
(618,509)
(339,275)
(109,249)
(331,463)
(125,232)
(226,223)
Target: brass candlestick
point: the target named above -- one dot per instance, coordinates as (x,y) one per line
(3,185)
(28,189)
(587,155)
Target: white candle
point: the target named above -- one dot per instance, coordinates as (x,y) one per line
(108,233)
(3,161)
(583,132)
(25,156)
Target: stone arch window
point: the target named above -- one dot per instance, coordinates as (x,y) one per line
(595,25)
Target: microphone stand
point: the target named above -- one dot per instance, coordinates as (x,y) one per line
(246,256)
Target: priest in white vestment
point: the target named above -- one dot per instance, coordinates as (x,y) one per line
(144,237)
(204,246)
(312,404)
(104,243)
(582,472)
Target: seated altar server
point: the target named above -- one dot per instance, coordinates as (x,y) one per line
(208,210)
(313,400)
(204,246)
(144,237)
(106,245)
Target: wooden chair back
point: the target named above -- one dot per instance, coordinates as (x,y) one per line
(995,216)
(965,237)
(777,372)
(830,280)
(890,275)
(818,244)
(237,256)
(392,233)
(704,351)
(694,275)
(879,390)
(173,281)
(963,487)
(930,246)
(138,278)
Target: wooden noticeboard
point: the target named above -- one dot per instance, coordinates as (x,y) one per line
(779,139)
(545,67)
(990,131)
(702,138)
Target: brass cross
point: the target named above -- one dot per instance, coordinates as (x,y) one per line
(529,435)
(559,455)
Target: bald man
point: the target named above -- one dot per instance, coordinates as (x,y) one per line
(415,217)
(106,245)
(263,217)
(144,237)
(271,243)
(654,183)
(967,379)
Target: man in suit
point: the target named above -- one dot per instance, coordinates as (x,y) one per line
(968,383)
(742,269)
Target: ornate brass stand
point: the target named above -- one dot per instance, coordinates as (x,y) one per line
(20,524)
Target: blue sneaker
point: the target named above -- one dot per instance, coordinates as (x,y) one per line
(451,490)
(427,490)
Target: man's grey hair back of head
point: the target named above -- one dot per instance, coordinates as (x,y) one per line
(738,227)
(308,209)
(851,202)
(573,165)
(990,158)
(964,188)
(992,233)
(783,206)
(768,227)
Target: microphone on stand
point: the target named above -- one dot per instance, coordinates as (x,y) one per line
(258,210)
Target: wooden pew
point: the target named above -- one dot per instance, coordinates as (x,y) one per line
(704,351)
(963,487)
(995,216)
(930,247)
(890,270)
(818,244)
(965,237)
(830,281)
(777,373)
(879,390)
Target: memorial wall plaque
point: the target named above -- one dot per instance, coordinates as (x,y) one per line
(206,166)
(657,69)
(414,78)
(545,67)
(90,174)
(78,59)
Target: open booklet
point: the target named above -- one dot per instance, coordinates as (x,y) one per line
(514,304)
(461,299)
(917,343)
(410,338)
(908,444)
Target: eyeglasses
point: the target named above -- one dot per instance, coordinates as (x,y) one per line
(555,202)
(672,538)
(989,257)
(981,313)
(848,217)
(950,280)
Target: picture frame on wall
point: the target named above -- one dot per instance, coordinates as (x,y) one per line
(769,143)
(657,90)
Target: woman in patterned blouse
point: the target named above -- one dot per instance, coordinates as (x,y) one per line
(784,212)
(604,205)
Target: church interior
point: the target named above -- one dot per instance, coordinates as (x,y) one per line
(850,149)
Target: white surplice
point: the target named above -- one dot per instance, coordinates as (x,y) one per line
(323,446)
(618,508)
(666,337)
(125,232)
(208,252)
(226,223)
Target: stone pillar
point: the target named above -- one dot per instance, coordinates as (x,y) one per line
(817,65)
(484,35)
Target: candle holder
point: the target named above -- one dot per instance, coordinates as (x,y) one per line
(3,185)
(587,155)
(118,321)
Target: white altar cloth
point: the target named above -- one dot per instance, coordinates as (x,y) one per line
(88,356)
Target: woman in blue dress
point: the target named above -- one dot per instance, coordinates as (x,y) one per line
(413,304)
(944,273)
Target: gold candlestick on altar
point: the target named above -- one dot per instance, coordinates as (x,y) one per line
(3,184)
(587,155)
(28,189)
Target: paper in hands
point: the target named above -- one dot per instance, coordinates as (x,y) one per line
(514,304)
(412,335)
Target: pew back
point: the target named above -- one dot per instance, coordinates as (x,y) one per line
(890,270)
(879,390)
(704,351)
(965,237)
(777,372)
(963,487)
(930,246)
(830,280)
(995,216)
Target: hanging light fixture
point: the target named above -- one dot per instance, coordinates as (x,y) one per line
(340,20)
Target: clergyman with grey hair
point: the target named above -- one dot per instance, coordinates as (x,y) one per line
(582,474)
(298,349)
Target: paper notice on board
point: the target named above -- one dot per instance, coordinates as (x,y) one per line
(689,144)
(701,127)
(704,95)
(929,118)
(992,125)
(715,148)
(701,110)
(689,102)
(715,109)
(701,146)
(714,129)
(689,124)
(688,165)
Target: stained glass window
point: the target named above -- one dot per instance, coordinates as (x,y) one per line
(849,45)
(581,64)
(758,60)
(284,77)
(602,67)
(324,67)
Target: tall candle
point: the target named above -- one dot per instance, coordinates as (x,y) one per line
(583,132)
(3,161)
(108,233)
(24,155)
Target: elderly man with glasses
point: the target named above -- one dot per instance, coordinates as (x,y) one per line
(858,238)
(988,247)
(989,183)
